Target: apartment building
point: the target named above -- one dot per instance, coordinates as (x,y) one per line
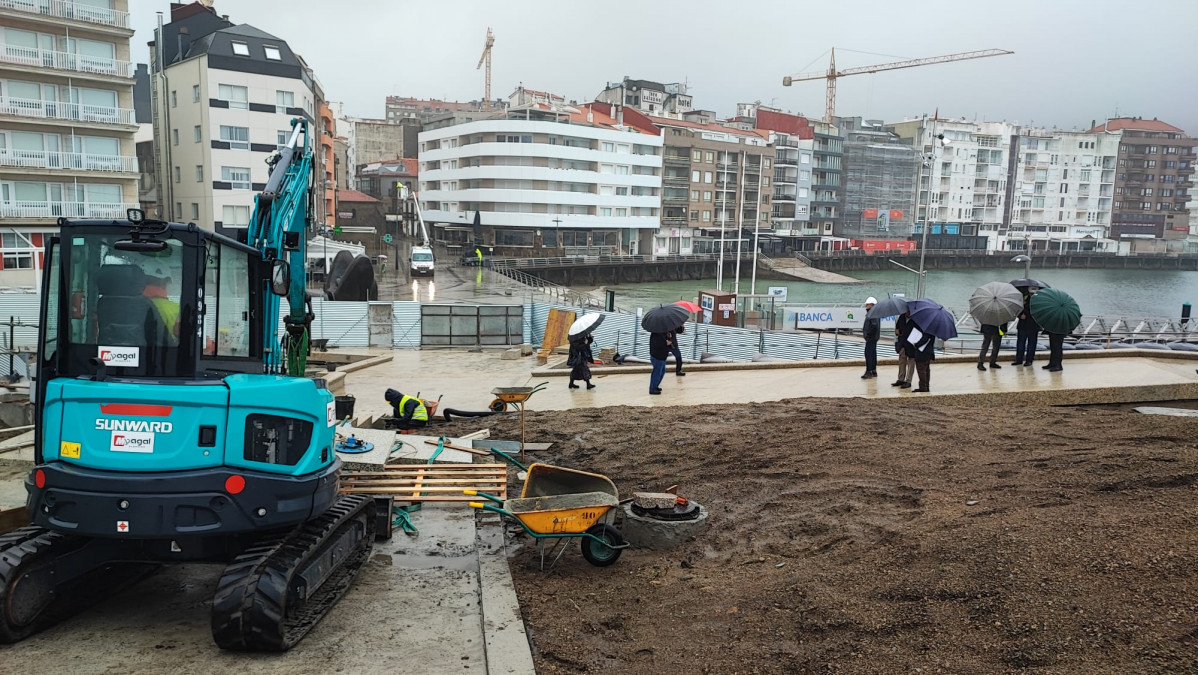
(715,186)
(1063,193)
(966,179)
(399,108)
(1154,183)
(651,98)
(826,172)
(376,141)
(879,181)
(793,139)
(543,180)
(224,96)
(67,123)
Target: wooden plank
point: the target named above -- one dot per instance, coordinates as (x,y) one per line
(411,484)
(463,448)
(557,329)
(11,519)
(481,433)
(445,467)
(404,489)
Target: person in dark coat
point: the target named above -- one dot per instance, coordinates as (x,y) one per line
(1056,352)
(673,337)
(923,352)
(872,330)
(1026,333)
(991,335)
(580,360)
(902,328)
(659,350)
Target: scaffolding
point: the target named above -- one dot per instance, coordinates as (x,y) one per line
(879,186)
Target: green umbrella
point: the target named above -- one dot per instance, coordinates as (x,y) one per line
(1055,311)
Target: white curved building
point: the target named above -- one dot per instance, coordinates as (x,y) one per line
(543,182)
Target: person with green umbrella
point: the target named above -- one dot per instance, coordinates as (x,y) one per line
(1058,314)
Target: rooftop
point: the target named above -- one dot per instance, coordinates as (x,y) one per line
(1135,124)
(346,195)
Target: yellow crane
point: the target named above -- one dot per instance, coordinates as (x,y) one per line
(486,58)
(833,73)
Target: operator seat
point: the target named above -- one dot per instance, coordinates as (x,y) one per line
(125,317)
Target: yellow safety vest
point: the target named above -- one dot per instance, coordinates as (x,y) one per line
(421,413)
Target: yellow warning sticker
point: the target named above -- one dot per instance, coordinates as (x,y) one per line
(69,450)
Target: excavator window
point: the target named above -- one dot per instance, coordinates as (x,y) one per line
(229,296)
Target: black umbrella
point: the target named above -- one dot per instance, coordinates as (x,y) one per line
(664,318)
(891,306)
(1027,283)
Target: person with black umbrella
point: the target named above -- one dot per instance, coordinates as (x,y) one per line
(1026,332)
(662,322)
(676,351)
(659,350)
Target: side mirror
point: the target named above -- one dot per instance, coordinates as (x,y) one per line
(280,277)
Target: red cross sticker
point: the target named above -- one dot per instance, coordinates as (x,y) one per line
(122,526)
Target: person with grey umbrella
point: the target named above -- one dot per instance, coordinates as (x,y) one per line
(991,335)
(872,330)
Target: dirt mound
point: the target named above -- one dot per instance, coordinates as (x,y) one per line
(871,536)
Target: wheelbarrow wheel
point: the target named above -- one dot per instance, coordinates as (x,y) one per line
(498,406)
(601,554)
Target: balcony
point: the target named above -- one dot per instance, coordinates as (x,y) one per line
(680,160)
(71,10)
(27,209)
(674,220)
(41,58)
(674,199)
(77,161)
(73,112)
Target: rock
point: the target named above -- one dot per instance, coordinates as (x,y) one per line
(654,500)
(526,349)
(511,354)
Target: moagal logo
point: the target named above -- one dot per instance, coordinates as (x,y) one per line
(121,357)
(132,441)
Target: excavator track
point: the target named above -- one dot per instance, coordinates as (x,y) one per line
(272,594)
(47,576)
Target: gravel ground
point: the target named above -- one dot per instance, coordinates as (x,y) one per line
(875,536)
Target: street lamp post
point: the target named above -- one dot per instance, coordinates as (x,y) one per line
(923,244)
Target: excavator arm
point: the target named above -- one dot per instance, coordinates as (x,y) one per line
(282,212)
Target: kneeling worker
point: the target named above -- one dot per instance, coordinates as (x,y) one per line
(407,412)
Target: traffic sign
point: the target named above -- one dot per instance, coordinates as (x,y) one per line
(387,238)
(337,230)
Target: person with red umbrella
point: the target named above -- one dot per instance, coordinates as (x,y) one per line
(673,337)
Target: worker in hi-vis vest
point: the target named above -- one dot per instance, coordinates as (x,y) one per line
(407,412)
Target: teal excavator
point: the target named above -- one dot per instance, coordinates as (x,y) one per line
(174,423)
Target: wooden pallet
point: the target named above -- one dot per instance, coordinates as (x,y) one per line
(428,482)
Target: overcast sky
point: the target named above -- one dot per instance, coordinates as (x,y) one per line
(1075,60)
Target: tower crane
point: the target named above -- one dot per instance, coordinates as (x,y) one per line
(832,74)
(486,58)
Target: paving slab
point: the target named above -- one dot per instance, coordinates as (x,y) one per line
(1171,412)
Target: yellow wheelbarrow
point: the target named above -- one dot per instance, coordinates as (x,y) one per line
(514,397)
(559,504)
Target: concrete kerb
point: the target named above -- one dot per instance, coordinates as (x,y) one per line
(559,368)
(507,646)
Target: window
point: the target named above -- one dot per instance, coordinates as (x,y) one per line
(238,138)
(174,98)
(284,100)
(282,137)
(707,216)
(1064,174)
(621,192)
(706,195)
(199,173)
(695,216)
(694,176)
(18,252)
(608,146)
(621,212)
(706,176)
(1085,175)
(176,174)
(237,177)
(605,211)
(226,314)
(696,155)
(196,131)
(1064,188)
(272,53)
(1152,149)
(195,93)
(710,157)
(237,97)
(241,48)
(178,210)
(621,170)
(236,216)
(195,211)
(174,136)
(1168,178)
(694,195)
(804,158)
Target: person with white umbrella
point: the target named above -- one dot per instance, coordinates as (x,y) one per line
(581,358)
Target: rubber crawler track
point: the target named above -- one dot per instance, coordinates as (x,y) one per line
(253,609)
(30,548)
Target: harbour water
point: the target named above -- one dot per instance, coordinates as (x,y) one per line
(1117,293)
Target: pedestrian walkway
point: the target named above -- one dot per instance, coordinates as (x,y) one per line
(465,380)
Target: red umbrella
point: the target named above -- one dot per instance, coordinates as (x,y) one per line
(690,306)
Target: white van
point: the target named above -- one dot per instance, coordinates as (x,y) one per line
(422,260)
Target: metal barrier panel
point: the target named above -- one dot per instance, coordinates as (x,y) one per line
(471,325)
(343,324)
(405,332)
